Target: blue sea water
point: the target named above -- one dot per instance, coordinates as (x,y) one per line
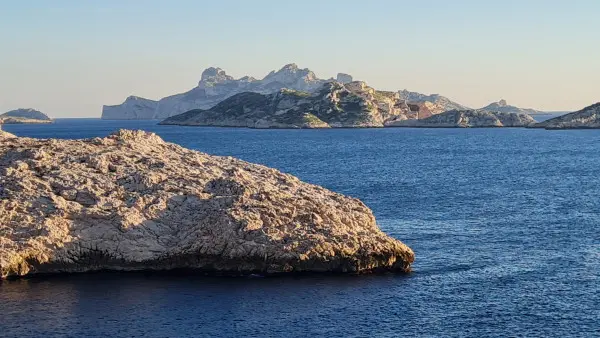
(505,224)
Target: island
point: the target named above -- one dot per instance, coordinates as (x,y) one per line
(469,119)
(335,105)
(19,116)
(586,118)
(216,85)
(133,202)
(338,105)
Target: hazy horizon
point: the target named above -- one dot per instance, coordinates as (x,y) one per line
(68,58)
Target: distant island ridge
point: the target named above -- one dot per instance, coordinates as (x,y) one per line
(338,105)
(24,115)
(294,97)
(216,85)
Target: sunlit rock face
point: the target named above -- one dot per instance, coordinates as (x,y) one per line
(131,201)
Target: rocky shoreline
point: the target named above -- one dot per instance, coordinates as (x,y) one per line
(132,202)
(21,120)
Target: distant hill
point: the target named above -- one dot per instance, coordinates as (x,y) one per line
(503,107)
(27,114)
(20,116)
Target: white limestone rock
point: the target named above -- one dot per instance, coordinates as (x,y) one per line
(344,78)
(134,108)
(131,201)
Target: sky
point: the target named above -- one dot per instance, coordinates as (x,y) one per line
(67,58)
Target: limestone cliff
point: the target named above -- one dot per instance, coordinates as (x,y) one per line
(587,118)
(131,201)
(334,105)
(469,119)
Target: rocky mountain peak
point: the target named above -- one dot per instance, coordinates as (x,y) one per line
(212,72)
(214,75)
(136,98)
(290,67)
(502,103)
(247,79)
(344,78)
(290,73)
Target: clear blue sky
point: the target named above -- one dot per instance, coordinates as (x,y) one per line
(68,58)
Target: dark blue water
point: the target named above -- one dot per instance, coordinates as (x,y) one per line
(505,224)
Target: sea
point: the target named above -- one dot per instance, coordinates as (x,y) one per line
(505,224)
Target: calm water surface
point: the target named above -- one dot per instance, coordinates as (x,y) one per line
(505,224)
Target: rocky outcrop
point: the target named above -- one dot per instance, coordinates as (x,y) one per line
(468,119)
(587,118)
(430,104)
(503,107)
(334,105)
(24,116)
(131,201)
